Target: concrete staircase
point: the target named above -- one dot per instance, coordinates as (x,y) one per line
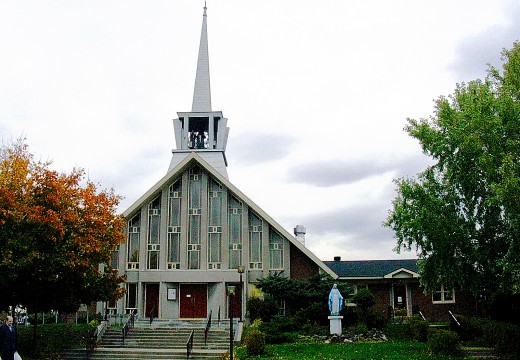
(161,340)
(479,353)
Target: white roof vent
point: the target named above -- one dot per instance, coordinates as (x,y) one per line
(299,232)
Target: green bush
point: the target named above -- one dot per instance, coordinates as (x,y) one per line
(364,299)
(375,319)
(315,313)
(255,342)
(399,332)
(418,329)
(281,329)
(469,329)
(263,309)
(444,342)
(51,339)
(504,337)
(360,329)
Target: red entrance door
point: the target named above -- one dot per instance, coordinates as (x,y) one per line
(152,300)
(193,300)
(237,302)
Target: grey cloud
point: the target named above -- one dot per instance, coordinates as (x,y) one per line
(473,55)
(361,227)
(356,220)
(254,148)
(338,173)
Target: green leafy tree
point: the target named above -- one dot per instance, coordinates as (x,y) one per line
(55,230)
(300,294)
(462,213)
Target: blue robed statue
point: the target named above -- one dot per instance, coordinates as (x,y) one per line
(335,301)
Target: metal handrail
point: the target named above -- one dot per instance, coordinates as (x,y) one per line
(91,343)
(189,344)
(453,318)
(208,326)
(94,339)
(129,323)
(151,314)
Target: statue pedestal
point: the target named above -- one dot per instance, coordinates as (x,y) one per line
(335,325)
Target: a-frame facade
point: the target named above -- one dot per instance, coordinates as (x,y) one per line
(188,235)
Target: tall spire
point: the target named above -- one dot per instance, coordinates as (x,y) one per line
(201,131)
(202,91)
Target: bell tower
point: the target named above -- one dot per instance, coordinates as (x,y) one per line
(201,130)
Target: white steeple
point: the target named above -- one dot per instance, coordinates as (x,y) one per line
(202,130)
(202,91)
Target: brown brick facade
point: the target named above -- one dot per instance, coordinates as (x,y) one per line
(302,267)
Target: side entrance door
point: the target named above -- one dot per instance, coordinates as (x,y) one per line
(400,296)
(193,300)
(152,300)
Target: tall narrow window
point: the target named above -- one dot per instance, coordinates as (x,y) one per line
(255,241)
(114,259)
(235,233)
(194,218)
(275,251)
(214,225)
(131,297)
(154,220)
(133,243)
(174,226)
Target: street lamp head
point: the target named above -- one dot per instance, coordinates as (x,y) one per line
(241,269)
(231,290)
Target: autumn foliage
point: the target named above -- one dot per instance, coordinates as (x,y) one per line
(55,231)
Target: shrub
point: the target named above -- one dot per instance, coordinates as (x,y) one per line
(375,319)
(469,328)
(504,337)
(315,313)
(353,315)
(444,342)
(255,342)
(51,339)
(418,329)
(263,309)
(360,329)
(399,332)
(364,299)
(280,329)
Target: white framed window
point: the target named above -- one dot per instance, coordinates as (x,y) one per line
(443,295)
(355,288)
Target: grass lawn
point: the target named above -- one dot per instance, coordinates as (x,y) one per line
(406,350)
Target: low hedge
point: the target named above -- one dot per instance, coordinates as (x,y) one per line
(444,342)
(51,339)
(503,337)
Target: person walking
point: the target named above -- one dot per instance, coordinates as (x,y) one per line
(8,339)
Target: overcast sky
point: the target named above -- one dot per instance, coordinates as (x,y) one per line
(316,92)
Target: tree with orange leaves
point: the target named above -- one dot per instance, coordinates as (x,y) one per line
(55,231)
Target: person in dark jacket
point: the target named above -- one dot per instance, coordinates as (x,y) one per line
(8,339)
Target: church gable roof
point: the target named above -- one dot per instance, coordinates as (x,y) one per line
(194,158)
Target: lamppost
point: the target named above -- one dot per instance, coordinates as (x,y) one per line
(231,294)
(241,270)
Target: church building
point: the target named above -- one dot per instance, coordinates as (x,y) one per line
(194,233)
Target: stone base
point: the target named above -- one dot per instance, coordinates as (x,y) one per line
(335,325)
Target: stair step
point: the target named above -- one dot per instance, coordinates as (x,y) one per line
(160,341)
(479,353)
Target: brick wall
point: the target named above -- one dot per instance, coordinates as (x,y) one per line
(301,266)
